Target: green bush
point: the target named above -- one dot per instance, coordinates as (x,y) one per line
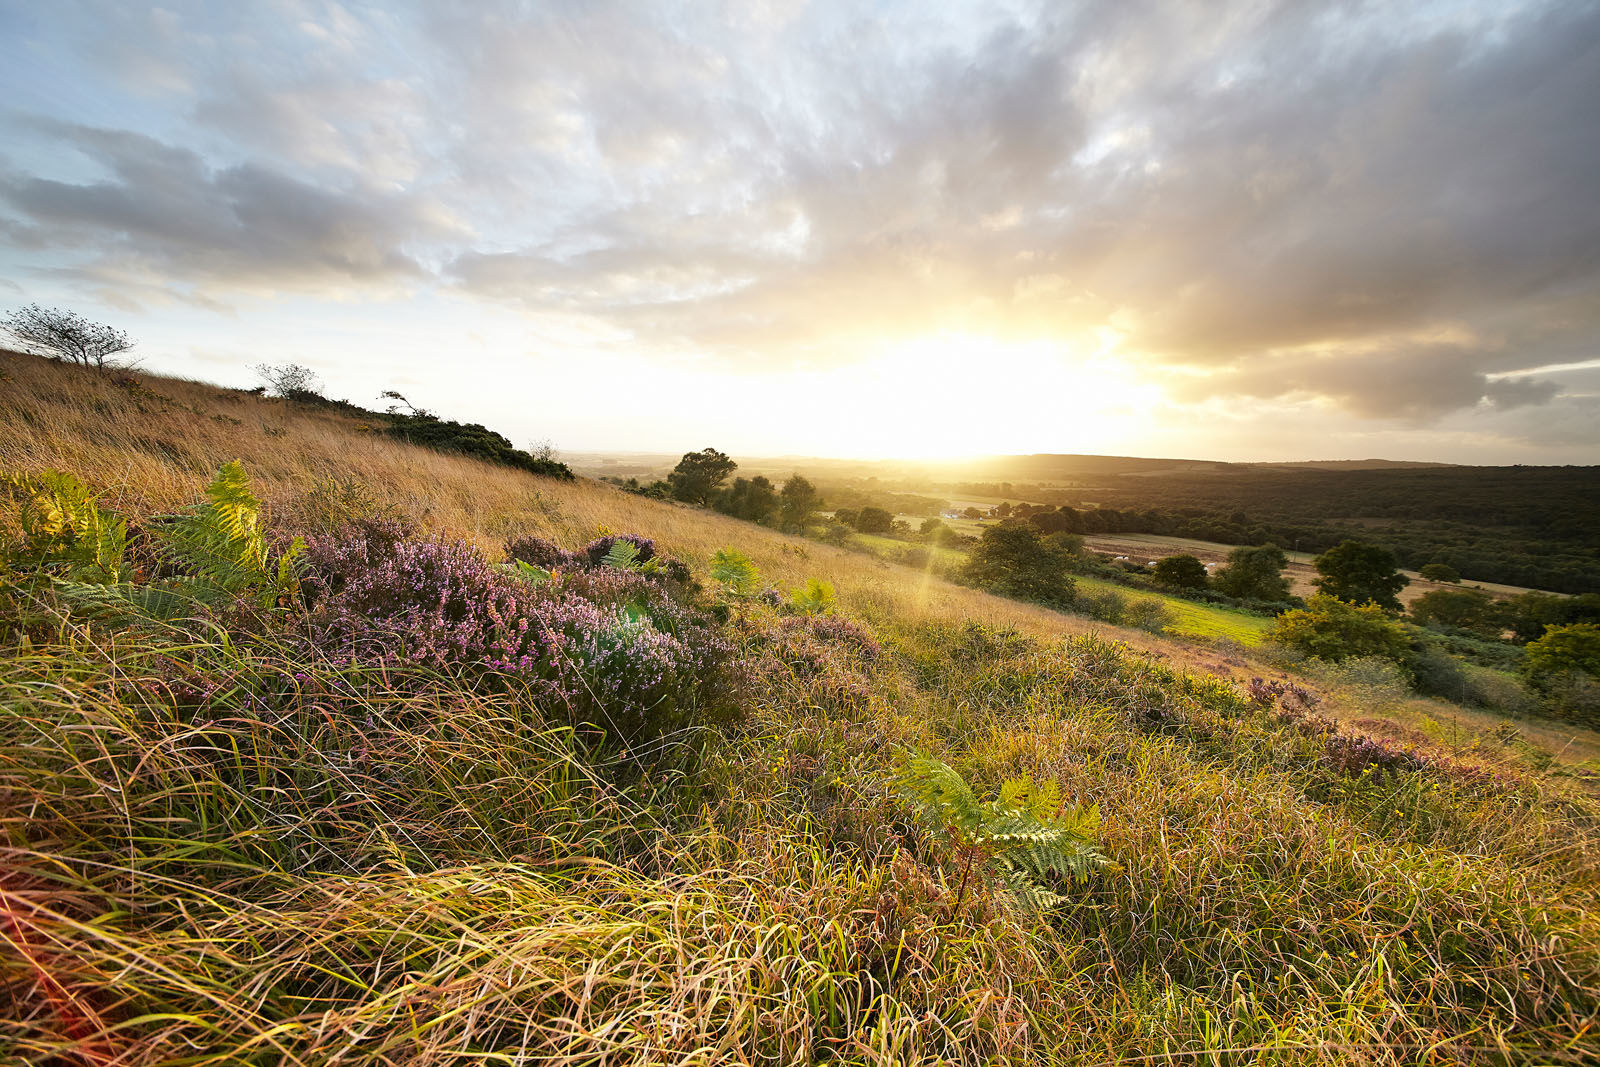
(1564,667)
(1332,630)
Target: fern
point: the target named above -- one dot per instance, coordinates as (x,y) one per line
(735,573)
(1026,840)
(532,574)
(220,547)
(624,556)
(814,598)
(65,533)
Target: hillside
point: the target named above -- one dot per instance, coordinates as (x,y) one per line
(327,823)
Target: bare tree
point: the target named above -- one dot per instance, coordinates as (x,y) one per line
(68,336)
(289,380)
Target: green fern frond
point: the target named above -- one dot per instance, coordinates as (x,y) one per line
(941,793)
(816,597)
(1029,840)
(735,572)
(528,572)
(622,556)
(219,545)
(64,530)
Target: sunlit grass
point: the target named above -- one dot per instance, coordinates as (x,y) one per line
(323,863)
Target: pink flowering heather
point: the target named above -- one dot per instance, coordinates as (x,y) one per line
(608,647)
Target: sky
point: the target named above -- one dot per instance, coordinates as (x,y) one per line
(1237,229)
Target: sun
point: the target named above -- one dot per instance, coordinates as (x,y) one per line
(949,395)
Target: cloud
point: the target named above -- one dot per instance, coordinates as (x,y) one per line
(168,213)
(1379,207)
(1415,383)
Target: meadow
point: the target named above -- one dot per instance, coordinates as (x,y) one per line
(1186,618)
(228,839)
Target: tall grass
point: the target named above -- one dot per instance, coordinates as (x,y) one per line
(217,847)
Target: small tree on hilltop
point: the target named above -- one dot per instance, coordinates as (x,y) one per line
(1254,574)
(1181,572)
(68,336)
(1357,573)
(699,474)
(293,381)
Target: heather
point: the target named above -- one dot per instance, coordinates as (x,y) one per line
(408,801)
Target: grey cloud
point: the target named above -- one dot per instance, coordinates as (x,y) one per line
(1415,383)
(168,211)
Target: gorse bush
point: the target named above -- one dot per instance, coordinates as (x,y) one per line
(1333,630)
(472,439)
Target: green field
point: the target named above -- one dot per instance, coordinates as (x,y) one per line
(1190,619)
(1194,620)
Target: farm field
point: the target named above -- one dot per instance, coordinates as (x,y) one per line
(1300,572)
(1202,621)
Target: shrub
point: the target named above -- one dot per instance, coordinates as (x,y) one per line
(1148,613)
(1332,630)
(611,648)
(538,552)
(1472,610)
(1564,667)
(471,439)
(1440,572)
(1107,605)
(1013,560)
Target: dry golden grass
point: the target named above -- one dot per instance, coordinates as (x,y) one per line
(152,443)
(346,870)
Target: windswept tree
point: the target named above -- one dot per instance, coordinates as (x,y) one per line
(292,381)
(1358,573)
(67,336)
(700,474)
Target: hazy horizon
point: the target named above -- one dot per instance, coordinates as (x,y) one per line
(1267,232)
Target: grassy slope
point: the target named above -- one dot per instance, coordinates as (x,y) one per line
(441,876)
